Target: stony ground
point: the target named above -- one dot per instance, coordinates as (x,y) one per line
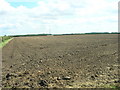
(76,61)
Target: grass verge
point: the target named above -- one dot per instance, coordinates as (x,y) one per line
(2,44)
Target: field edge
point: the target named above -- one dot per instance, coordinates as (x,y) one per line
(5,42)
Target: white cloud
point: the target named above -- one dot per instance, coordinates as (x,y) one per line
(22,0)
(5,6)
(69,15)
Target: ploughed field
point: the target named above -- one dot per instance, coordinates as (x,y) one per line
(73,61)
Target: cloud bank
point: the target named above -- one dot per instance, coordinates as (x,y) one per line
(59,16)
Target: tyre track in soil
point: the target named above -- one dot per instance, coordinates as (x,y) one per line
(88,60)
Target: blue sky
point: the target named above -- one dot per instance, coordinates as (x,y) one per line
(26,4)
(58,16)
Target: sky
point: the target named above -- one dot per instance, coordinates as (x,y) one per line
(57,16)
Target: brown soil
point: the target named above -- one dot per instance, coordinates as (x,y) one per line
(73,61)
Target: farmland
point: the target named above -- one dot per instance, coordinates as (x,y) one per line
(68,61)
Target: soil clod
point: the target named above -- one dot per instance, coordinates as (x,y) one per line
(43,83)
(66,78)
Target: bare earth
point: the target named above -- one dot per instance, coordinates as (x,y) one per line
(73,61)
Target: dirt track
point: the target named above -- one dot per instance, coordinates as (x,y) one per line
(61,61)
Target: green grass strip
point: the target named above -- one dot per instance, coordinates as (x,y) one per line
(2,44)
